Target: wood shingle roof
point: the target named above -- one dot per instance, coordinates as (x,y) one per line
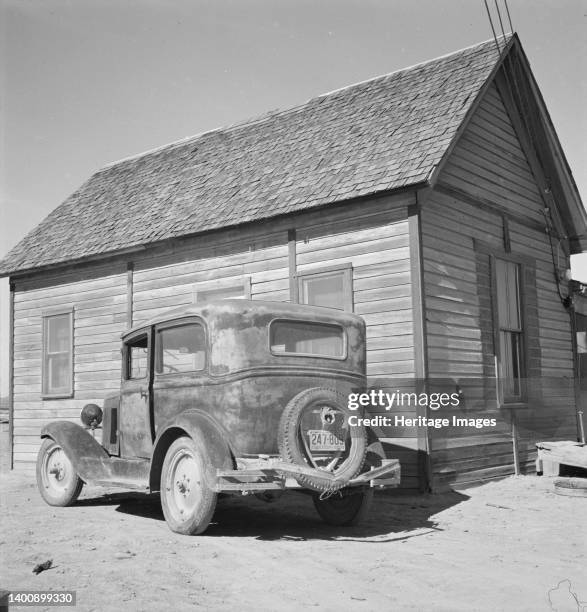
(379,135)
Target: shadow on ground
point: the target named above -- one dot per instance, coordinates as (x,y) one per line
(293,517)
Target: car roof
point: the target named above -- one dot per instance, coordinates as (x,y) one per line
(213,308)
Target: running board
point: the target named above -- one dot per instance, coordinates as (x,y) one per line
(116,472)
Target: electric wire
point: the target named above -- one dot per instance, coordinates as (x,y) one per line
(499,16)
(491,24)
(508,12)
(512,67)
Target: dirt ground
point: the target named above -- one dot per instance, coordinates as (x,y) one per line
(509,545)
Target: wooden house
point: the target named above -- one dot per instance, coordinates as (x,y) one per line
(435,202)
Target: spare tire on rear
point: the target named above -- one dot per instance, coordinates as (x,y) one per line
(314,431)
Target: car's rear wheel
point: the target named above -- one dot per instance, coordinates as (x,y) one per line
(58,482)
(187,499)
(314,431)
(343,508)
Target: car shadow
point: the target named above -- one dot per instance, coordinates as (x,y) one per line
(393,517)
(293,517)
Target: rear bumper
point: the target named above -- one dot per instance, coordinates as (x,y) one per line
(272,474)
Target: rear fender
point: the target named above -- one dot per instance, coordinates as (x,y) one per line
(84,452)
(202,428)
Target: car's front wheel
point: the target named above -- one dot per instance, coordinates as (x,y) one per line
(187,499)
(344,508)
(58,482)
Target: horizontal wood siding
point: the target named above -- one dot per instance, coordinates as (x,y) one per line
(374,240)
(172,280)
(98,299)
(488,166)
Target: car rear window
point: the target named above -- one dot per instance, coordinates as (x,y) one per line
(307,338)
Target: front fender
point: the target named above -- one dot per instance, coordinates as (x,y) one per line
(79,446)
(201,427)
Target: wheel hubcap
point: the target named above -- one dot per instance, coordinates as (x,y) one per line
(57,470)
(184,484)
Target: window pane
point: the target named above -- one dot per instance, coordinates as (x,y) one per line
(307,338)
(181,349)
(138,358)
(510,349)
(508,299)
(59,333)
(324,290)
(58,373)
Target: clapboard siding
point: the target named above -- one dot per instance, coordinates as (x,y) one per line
(163,282)
(382,293)
(488,165)
(99,303)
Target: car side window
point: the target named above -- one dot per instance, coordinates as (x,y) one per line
(138,357)
(181,348)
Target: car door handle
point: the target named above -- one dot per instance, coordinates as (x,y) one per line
(144,393)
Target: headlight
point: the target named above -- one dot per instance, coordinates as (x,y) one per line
(91,415)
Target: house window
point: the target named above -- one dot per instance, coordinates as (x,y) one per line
(57,378)
(206,292)
(509,330)
(330,287)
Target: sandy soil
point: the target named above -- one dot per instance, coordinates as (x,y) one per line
(502,546)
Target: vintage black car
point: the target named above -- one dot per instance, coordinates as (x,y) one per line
(232,396)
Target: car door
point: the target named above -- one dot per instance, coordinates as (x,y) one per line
(136,410)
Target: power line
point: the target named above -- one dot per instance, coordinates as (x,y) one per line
(492,28)
(508,12)
(499,15)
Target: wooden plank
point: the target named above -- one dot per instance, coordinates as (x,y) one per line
(382,293)
(380,281)
(380,269)
(396,246)
(61,294)
(419,306)
(11,352)
(326,237)
(383,306)
(292,265)
(129,294)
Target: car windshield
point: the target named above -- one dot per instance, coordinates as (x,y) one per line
(307,338)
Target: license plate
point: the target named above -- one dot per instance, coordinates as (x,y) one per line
(322,440)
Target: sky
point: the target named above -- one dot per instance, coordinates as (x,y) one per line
(87,82)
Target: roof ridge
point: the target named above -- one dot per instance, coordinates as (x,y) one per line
(416,65)
(255,119)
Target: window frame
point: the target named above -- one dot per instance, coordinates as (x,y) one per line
(521,400)
(345,270)
(313,355)
(180,323)
(45,316)
(222,285)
